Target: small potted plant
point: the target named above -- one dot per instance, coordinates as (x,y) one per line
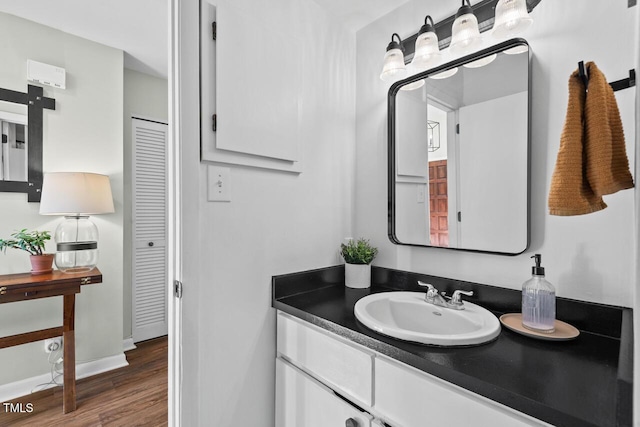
(357,255)
(32,242)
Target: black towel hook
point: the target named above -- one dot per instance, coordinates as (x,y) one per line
(617,85)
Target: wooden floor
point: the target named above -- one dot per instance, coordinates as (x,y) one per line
(135,395)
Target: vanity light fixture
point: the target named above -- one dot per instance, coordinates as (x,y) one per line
(512,18)
(414,85)
(465,34)
(394,68)
(481,62)
(427,51)
(444,74)
(507,16)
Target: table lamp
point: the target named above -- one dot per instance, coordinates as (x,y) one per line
(76,195)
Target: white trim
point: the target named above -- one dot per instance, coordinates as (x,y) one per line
(128,345)
(18,118)
(174,203)
(83,370)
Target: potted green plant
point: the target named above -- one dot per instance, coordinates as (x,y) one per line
(357,255)
(32,242)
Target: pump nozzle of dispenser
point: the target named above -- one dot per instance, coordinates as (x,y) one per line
(537,270)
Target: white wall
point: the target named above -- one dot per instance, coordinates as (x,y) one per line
(84,133)
(145,96)
(275,223)
(590,257)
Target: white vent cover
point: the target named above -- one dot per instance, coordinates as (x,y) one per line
(46,74)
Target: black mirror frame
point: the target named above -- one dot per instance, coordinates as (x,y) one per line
(391,142)
(35,102)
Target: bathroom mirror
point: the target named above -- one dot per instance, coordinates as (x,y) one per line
(458,175)
(21,150)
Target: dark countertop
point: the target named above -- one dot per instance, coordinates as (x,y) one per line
(583,382)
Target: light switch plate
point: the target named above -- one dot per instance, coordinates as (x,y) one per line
(219,185)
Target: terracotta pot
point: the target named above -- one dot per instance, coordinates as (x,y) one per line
(41,264)
(357,275)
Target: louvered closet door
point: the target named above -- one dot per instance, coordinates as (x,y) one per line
(149,230)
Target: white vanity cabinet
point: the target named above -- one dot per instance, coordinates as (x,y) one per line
(302,401)
(314,363)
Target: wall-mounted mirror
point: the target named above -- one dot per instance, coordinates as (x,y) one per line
(13,152)
(459,153)
(21,151)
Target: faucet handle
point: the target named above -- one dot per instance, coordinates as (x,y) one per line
(430,287)
(456,299)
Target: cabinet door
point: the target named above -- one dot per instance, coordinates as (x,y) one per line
(302,401)
(408,397)
(336,363)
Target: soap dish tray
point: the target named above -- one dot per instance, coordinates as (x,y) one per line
(563,331)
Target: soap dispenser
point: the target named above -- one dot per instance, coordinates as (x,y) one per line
(538,301)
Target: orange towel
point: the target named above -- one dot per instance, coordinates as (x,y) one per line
(607,164)
(592,160)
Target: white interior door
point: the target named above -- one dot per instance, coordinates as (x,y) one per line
(149,230)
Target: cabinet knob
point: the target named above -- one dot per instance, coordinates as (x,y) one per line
(351,422)
(3,290)
(150,243)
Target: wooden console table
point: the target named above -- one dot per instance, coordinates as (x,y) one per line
(25,286)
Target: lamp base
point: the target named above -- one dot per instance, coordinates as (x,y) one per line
(77,245)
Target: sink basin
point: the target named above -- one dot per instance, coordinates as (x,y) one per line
(406,316)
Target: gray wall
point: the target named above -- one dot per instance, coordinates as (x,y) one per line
(84,133)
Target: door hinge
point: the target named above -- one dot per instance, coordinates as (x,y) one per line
(459,216)
(177,288)
(458,128)
(214,122)
(214,30)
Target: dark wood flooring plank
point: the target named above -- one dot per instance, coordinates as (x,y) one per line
(135,395)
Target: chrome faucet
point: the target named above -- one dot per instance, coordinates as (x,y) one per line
(433,297)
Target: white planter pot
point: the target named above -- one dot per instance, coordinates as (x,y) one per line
(357,275)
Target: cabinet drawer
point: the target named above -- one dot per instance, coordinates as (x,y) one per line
(336,363)
(303,402)
(410,398)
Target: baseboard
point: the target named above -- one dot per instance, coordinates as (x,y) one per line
(128,345)
(83,370)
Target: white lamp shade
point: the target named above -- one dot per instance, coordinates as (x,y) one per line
(465,35)
(427,51)
(512,17)
(76,193)
(393,68)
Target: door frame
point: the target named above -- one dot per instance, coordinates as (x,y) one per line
(174,237)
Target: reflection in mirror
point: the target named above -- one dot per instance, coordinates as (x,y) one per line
(13,154)
(458,153)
